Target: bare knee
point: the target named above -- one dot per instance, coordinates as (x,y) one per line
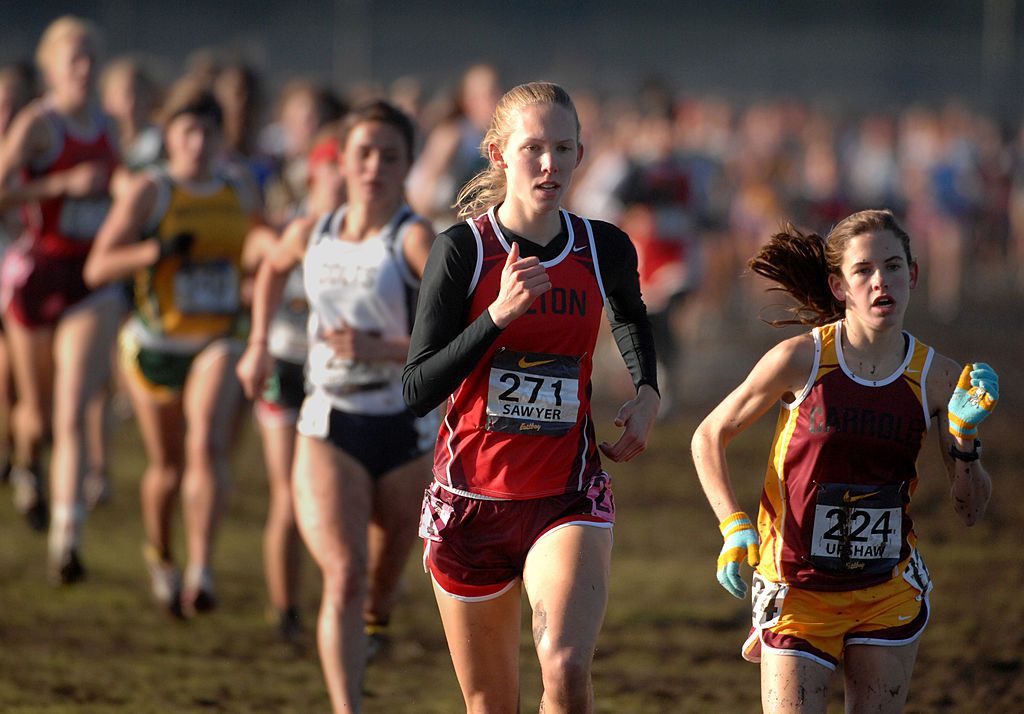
(281,520)
(878,678)
(566,674)
(167,475)
(344,584)
(870,695)
(487,702)
(69,420)
(202,446)
(33,423)
(282,508)
(794,696)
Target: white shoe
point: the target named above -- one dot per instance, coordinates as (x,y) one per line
(164,580)
(29,497)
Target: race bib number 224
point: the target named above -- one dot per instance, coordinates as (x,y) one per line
(857,528)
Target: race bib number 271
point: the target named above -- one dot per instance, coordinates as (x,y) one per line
(533,393)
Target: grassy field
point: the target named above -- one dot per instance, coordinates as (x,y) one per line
(670,641)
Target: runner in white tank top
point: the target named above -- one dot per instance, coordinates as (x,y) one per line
(360,464)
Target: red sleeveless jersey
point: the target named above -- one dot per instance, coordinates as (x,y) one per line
(64,226)
(835,510)
(519,426)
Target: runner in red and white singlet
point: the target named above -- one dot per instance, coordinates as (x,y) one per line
(506,324)
(533,380)
(56,164)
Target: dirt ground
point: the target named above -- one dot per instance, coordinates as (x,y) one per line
(671,637)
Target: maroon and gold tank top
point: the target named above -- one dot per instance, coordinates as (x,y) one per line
(835,510)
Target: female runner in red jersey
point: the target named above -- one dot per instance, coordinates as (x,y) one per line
(59,332)
(506,324)
(839,576)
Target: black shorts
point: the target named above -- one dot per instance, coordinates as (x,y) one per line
(380,443)
(285,389)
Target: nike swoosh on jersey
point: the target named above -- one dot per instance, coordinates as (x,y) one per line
(578,248)
(526,364)
(847,498)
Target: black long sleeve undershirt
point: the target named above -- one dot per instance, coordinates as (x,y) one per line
(444,349)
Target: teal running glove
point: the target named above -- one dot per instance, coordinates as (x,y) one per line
(974,398)
(741,543)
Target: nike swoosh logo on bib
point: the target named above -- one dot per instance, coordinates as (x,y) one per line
(526,364)
(847,498)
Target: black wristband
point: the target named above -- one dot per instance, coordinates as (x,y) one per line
(966,455)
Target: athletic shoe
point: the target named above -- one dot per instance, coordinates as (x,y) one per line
(164,580)
(29,498)
(377,640)
(288,625)
(197,595)
(66,569)
(96,489)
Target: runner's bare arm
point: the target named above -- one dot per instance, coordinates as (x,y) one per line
(27,138)
(419,239)
(278,260)
(780,374)
(117,252)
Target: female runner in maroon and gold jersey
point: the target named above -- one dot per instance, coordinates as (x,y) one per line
(838,573)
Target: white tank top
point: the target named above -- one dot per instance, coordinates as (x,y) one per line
(368,286)
(286,339)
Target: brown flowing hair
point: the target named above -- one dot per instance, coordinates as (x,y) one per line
(799,264)
(487,188)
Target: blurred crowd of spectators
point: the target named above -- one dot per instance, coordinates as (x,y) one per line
(697,181)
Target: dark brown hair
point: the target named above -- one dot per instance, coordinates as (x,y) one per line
(385,113)
(188,96)
(800,263)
